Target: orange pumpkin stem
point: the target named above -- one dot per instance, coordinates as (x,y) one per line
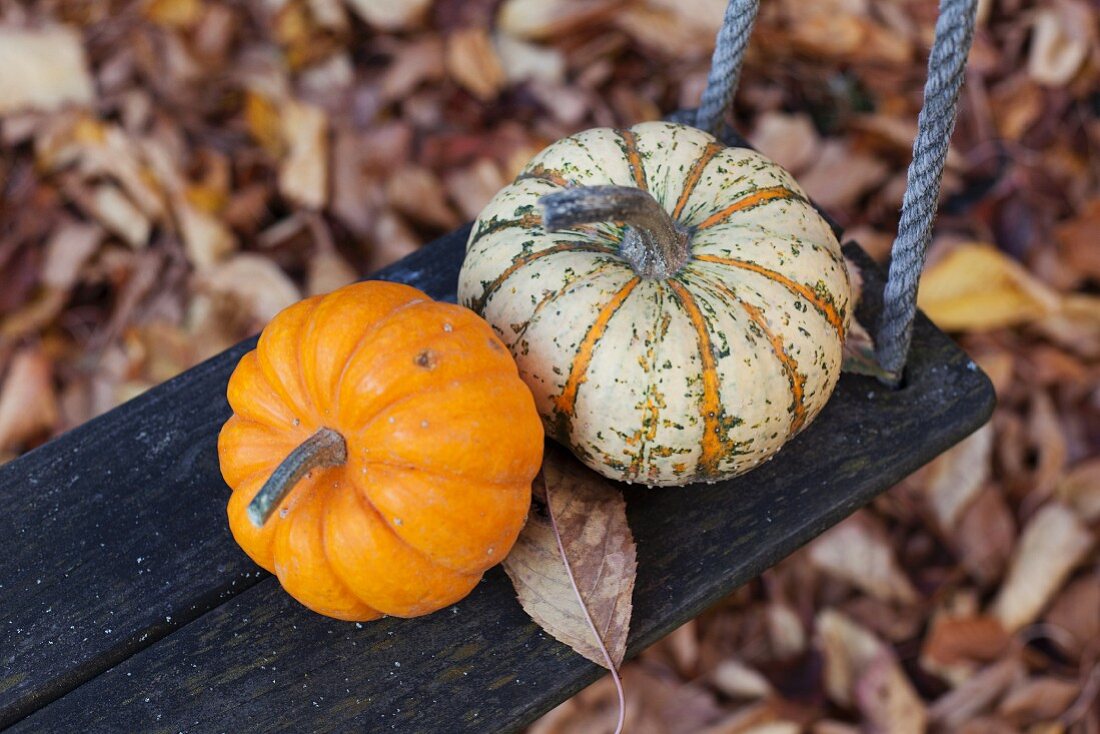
(653,243)
(326,448)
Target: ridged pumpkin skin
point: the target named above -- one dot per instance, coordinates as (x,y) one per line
(443,441)
(696,377)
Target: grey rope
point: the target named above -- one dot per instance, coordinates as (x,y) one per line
(946,66)
(725,64)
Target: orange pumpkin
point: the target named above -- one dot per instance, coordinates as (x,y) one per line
(381,451)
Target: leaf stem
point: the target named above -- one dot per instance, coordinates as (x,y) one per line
(584,608)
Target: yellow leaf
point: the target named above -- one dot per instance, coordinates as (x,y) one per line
(176,13)
(206,198)
(977,288)
(89,131)
(262,117)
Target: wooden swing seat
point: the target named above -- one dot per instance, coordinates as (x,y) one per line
(126,605)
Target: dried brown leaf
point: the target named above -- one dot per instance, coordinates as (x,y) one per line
(737,680)
(825,30)
(887,700)
(1059,41)
(42,70)
(886,619)
(1019,103)
(895,135)
(71,245)
(858,552)
(683,644)
(957,643)
(1076,610)
(28,402)
(786,632)
(991,725)
(303,175)
(859,352)
(328,14)
(118,214)
(257,288)
(956,477)
(764,717)
(568,105)
(32,316)
(391,14)
(1046,436)
(833,727)
(106,150)
(841,175)
(1051,544)
(1038,699)
(861,670)
(977,694)
(591,518)
(1075,326)
(540,19)
(790,140)
(206,238)
(417,193)
(670,32)
(328,270)
(999,365)
(1080,488)
(393,241)
(473,187)
(1077,238)
(985,535)
(522,60)
(412,64)
(355,192)
(472,61)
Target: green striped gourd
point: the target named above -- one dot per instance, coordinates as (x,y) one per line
(677,307)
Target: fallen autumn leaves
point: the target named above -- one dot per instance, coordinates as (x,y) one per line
(180,169)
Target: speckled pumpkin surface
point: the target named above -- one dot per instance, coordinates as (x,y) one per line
(697,376)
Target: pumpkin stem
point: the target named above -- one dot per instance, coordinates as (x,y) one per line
(654,244)
(323,449)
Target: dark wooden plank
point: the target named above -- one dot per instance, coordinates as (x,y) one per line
(261,662)
(115,534)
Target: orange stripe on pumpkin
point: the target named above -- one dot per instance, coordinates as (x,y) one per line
(539,173)
(789,363)
(566,403)
(633,157)
(692,179)
(531,219)
(790,366)
(525,260)
(713,442)
(753,200)
(826,308)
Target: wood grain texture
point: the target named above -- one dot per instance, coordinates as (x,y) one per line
(260,662)
(115,534)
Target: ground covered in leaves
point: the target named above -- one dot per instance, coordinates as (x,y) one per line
(174,172)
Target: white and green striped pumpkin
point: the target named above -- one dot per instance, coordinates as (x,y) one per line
(674,336)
